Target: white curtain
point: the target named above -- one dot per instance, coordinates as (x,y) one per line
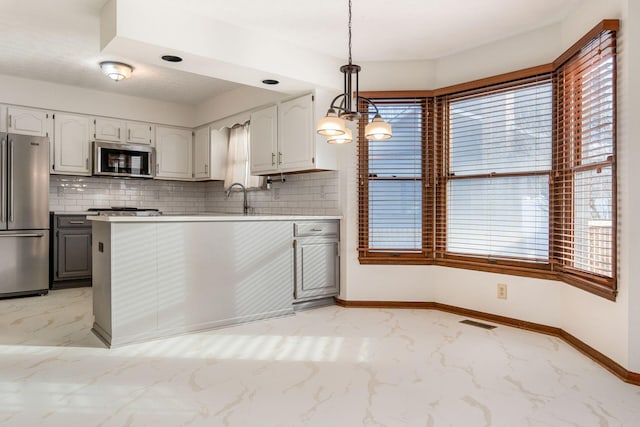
(238,155)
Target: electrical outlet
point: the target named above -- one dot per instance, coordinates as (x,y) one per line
(502,291)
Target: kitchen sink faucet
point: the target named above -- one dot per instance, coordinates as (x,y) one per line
(245,205)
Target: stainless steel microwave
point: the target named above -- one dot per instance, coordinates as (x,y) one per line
(111,159)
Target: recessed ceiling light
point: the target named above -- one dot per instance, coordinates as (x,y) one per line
(171,58)
(270,82)
(116,70)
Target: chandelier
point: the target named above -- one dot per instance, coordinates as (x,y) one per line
(333,126)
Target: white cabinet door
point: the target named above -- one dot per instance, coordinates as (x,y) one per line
(296,137)
(173,151)
(26,121)
(139,133)
(3,118)
(219,146)
(264,141)
(108,129)
(201,154)
(71,144)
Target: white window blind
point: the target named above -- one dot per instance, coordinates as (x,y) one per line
(391,180)
(497,192)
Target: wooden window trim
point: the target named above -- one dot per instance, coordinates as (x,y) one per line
(364,180)
(437,159)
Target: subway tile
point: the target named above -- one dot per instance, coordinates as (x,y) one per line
(313,193)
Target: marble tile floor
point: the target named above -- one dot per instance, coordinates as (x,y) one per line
(324,367)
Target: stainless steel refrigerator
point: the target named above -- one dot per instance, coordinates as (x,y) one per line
(24,215)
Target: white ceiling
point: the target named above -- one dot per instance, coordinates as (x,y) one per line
(59,40)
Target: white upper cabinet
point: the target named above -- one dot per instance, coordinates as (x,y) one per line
(284,139)
(3,118)
(71,145)
(201,158)
(26,121)
(173,153)
(264,141)
(210,153)
(123,132)
(296,134)
(139,133)
(218,148)
(108,129)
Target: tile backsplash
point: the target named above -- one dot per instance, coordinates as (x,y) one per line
(305,194)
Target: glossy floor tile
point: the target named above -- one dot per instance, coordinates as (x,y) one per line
(325,367)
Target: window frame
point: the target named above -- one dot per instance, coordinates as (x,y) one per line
(368,255)
(435,157)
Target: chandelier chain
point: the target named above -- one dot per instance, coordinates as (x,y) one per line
(349,32)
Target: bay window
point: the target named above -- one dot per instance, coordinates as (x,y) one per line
(513,174)
(497,185)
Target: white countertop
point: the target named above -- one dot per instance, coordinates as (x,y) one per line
(85,213)
(210,217)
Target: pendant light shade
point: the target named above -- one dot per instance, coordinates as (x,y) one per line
(378,129)
(116,70)
(331,125)
(345,138)
(343,108)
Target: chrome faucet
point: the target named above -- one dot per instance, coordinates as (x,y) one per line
(245,205)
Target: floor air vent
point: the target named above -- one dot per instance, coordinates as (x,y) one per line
(478,324)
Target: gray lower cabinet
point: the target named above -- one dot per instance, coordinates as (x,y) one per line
(317,265)
(71,251)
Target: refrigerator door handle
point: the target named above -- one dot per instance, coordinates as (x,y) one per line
(2,184)
(10,178)
(23,235)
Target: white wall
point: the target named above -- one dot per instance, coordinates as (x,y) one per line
(371,282)
(45,95)
(384,75)
(612,328)
(234,101)
(523,51)
(629,158)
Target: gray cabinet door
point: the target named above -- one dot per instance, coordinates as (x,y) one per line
(74,254)
(317,269)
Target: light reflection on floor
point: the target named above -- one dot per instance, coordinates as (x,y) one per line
(324,367)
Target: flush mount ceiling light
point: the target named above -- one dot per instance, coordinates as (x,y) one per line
(341,109)
(116,70)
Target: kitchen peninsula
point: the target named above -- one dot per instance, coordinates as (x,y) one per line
(165,275)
